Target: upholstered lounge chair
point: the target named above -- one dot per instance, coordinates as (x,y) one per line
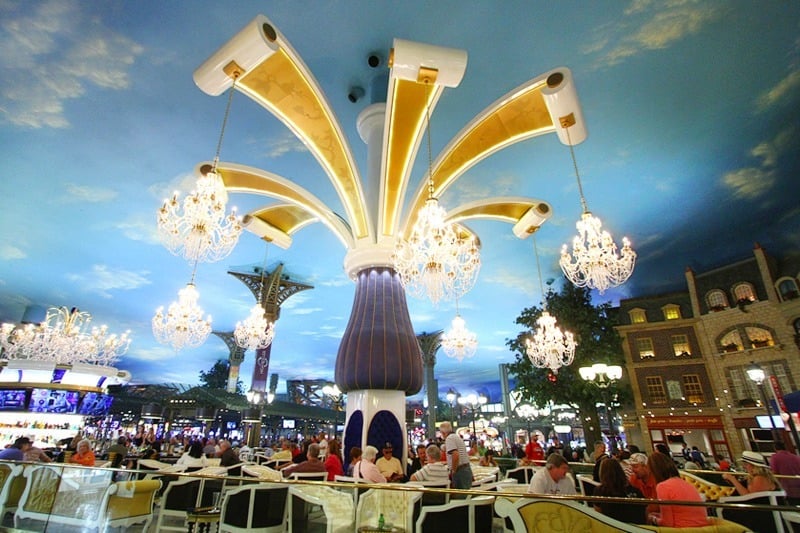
(537,515)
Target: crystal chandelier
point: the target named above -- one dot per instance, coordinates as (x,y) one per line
(64,337)
(549,347)
(439,260)
(459,342)
(595,261)
(183,325)
(198,229)
(256,331)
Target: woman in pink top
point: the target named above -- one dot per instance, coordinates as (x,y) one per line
(670,486)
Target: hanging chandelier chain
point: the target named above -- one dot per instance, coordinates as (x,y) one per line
(538,267)
(224,121)
(577,174)
(430,151)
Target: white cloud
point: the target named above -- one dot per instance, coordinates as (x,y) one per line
(515,280)
(305,310)
(283,145)
(155,353)
(84,193)
(9,252)
(102,279)
(140,228)
(649,26)
(754,182)
(750,182)
(51,52)
(785,89)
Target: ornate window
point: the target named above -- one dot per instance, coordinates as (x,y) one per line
(731,342)
(693,388)
(655,389)
(680,346)
(743,292)
(787,288)
(671,312)
(758,337)
(638,316)
(644,345)
(717,300)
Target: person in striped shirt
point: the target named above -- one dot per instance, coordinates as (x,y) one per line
(434,469)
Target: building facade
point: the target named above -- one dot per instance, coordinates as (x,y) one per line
(687,355)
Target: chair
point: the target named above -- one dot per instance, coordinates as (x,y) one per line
(480,472)
(12,484)
(432,498)
(263,473)
(131,503)
(75,497)
(534,514)
(179,496)
(260,507)
(468,516)
(755,519)
(337,508)
(711,492)
(309,476)
(397,507)
(477,483)
(350,484)
(522,474)
(586,485)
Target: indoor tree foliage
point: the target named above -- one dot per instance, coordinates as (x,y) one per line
(217,376)
(598,342)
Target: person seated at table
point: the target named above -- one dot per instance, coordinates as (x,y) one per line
(194,458)
(84,454)
(355,457)
(487,459)
(670,486)
(759,477)
(16,452)
(365,469)
(227,455)
(434,469)
(553,478)
(285,454)
(643,479)
(210,447)
(419,460)
(614,484)
(333,460)
(311,464)
(120,450)
(35,454)
(390,466)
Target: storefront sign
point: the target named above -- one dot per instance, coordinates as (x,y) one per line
(682,422)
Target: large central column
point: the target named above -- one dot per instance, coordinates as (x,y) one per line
(379,360)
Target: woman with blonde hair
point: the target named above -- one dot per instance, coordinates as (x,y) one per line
(759,477)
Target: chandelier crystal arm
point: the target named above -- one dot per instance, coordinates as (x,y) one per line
(256,331)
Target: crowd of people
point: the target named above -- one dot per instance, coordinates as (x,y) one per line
(623,473)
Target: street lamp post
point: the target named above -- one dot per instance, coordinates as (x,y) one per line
(452,396)
(603,376)
(757,375)
(252,416)
(333,392)
(474,404)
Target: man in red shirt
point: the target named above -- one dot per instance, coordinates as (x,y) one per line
(534,450)
(787,464)
(643,479)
